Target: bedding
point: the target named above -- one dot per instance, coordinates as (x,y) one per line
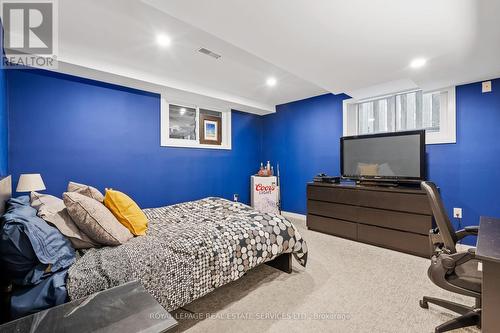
(35,256)
(126,212)
(189,250)
(50,292)
(30,249)
(95,220)
(86,190)
(53,211)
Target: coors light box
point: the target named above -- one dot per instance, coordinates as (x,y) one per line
(264,194)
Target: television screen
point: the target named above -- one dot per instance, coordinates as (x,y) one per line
(389,155)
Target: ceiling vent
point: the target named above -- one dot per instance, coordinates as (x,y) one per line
(209,53)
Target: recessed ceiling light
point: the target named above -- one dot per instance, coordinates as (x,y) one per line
(183,110)
(271,82)
(418,62)
(163,40)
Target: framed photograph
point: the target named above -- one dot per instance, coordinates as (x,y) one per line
(210,130)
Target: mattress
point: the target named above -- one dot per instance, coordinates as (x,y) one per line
(189,250)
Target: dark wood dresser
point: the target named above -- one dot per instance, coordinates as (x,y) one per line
(397,218)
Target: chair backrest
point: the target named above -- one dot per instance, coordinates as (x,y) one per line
(446,230)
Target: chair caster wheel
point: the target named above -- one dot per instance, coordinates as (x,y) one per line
(424,304)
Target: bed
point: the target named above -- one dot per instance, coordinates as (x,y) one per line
(189,250)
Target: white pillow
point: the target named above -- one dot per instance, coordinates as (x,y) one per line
(53,211)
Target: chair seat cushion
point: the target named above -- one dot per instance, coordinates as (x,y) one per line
(467,276)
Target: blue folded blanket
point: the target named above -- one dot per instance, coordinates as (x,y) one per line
(31,251)
(47,293)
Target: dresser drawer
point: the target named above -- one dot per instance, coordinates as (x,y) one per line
(416,223)
(327,209)
(396,240)
(332,194)
(405,202)
(332,226)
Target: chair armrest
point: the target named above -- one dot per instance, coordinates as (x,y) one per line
(450,261)
(467,231)
(444,264)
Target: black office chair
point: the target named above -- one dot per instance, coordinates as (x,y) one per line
(456,272)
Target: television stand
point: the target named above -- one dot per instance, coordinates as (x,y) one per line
(397,218)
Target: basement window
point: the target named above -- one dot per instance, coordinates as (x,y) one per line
(433,111)
(190,126)
(182,122)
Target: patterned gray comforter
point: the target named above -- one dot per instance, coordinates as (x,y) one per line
(189,250)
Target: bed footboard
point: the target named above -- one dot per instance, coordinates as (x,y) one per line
(283,262)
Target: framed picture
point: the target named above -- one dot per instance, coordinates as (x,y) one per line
(210,130)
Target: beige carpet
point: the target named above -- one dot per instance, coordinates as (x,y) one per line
(346,287)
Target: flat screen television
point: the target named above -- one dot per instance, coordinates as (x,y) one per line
(398,156)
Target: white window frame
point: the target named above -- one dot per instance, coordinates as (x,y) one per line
(166,141)
(447,118)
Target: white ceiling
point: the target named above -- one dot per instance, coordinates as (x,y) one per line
(120,37)
(360,47)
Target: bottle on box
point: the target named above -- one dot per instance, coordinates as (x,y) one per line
(261,170)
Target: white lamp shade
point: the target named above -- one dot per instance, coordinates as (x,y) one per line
(30,182)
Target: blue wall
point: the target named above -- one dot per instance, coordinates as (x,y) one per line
(3,125)
(467,171)
(76,129)
(303,137)
(68,128)
(3,114)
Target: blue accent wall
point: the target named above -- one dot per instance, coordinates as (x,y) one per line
(304,137)
(3,125)
(69,128)
(468,172)
(3,114)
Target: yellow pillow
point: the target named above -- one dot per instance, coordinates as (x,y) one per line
(126,211)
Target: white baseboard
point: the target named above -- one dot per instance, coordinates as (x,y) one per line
(301,217)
